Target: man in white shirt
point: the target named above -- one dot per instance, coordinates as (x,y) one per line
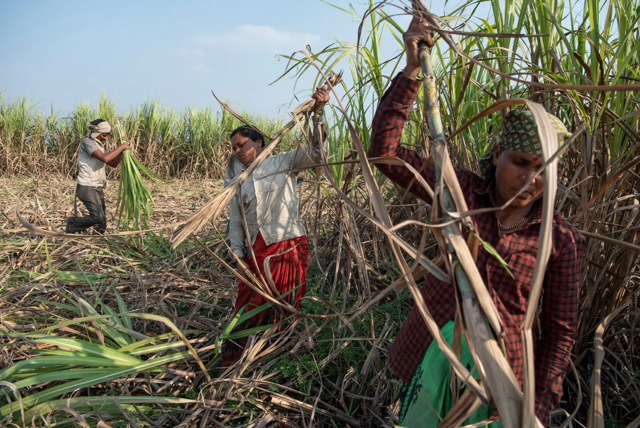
(92,178)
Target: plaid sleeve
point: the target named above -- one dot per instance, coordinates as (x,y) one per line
(387,126)
(558,320)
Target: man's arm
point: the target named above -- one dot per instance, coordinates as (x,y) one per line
(114,163)
(558,320)
(112,158)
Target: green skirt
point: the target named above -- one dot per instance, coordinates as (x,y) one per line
(427,399)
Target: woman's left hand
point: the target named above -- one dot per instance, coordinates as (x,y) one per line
(322,97)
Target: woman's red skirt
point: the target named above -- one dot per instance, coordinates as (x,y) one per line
(288,264)
(288,267)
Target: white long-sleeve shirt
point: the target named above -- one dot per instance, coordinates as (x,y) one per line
(269,198)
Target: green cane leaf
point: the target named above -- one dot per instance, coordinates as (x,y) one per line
(489,249)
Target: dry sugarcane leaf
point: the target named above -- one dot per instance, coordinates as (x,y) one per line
(609,240)
(417,174)
(413,179)
(417,273)
(571,416)
(466,405)
(35,230)
(548,139)
(267,270)
(608,183)
(381,211)
(495,107)
(635,423)
(595,417)
(425,262)
(408,248)
(239,116)
(293,404)
(424,311)
(506,394)
(258,289)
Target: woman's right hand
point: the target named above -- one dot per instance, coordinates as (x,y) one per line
(416,33)
(322,98)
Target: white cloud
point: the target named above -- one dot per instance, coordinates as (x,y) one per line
(249,38)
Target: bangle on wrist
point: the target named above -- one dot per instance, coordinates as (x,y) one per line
(318,112)
(410,76)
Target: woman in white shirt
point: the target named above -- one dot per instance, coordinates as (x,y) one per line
(269,202)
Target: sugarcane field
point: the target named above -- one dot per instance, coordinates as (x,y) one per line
(320,214)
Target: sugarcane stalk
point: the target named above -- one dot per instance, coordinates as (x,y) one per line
(477,304)
(548,140)
(444,169)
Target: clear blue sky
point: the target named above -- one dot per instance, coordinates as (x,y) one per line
(64,52)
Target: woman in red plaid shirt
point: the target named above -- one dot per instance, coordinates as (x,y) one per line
(513,232)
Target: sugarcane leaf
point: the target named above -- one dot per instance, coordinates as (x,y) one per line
(89,348)
(109,331)
(89,404)
(489,249)
(249,331)
(60,375)
(63,361)
(232,324)
(122,307)
(144,342)
(59,390)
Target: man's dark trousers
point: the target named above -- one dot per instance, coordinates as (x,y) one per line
(93,199)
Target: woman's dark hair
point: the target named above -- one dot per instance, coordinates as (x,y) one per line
(250,133)
(97,122)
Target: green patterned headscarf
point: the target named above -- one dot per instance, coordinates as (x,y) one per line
(520,133)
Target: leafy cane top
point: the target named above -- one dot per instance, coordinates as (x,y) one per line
(558,316)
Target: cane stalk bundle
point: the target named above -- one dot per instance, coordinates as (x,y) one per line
(134,199)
